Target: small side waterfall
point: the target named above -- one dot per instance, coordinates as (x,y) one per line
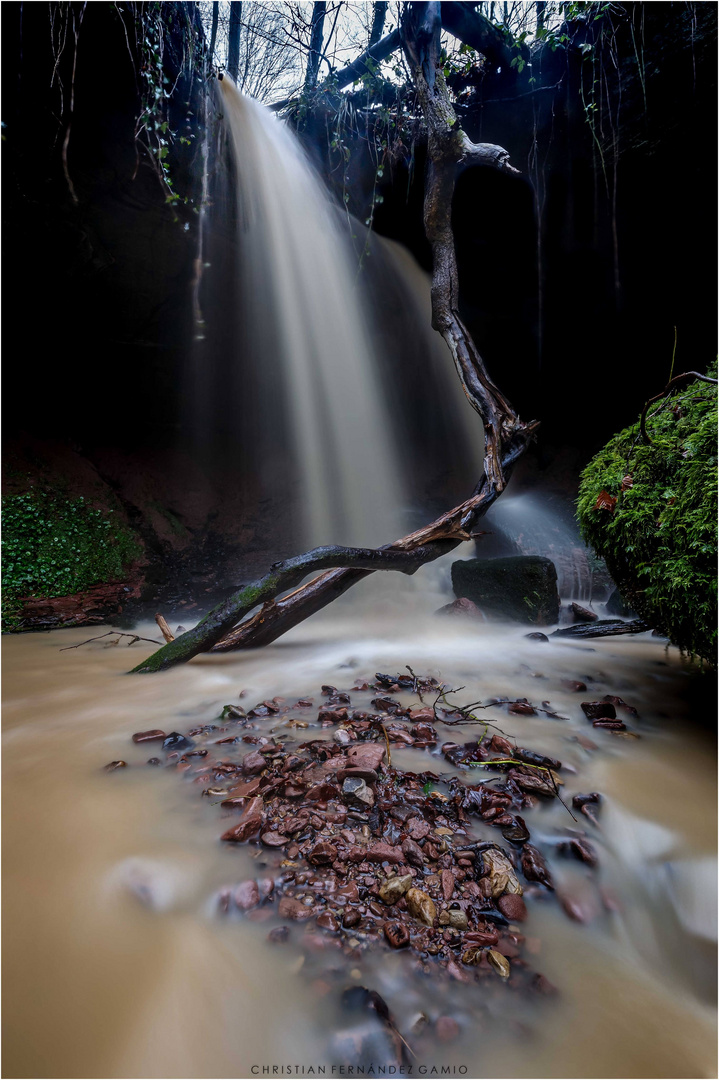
(304,324)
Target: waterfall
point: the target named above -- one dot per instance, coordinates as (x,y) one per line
(304,324)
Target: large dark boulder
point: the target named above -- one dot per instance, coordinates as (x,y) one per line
(522,588)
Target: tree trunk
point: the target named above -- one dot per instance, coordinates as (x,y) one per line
(506,437)
(380,13)
(213,32)
(315,54)
(233,40)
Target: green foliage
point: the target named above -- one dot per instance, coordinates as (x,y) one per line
(660,541)
(55,546)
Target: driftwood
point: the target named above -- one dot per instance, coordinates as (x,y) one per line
(506,436)
(164,628)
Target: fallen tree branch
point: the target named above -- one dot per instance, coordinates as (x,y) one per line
(281,576)
(602,628)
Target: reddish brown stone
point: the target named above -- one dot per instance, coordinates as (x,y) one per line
(322,854)
(397,934)
(274,839)
(247,895)
(295,909)
(448,882)
(249,826)
(148,736)
(365,756)
(327,921)
(375,853)
(253,763)
(512,907)
(413,853)
(418,828)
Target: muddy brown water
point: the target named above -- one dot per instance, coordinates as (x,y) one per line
(116,963)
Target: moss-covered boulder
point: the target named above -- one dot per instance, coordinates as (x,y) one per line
(522,588)
(649,509)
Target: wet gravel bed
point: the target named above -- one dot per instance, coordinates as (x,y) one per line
(361,857)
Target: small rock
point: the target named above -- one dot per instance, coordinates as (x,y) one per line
(421,906)
(154,761)
(574,685)
(512,907)
(462,606)
(397,934)
(328,921)
(536,636)
(148,736)
(447,1029)
(290,908)
(448,884)
(582,614)
(247,895)
(356,793)
(418,828)
(249,825)
(176,741)
(365,756)
(322,854)
(394,887)
(274,839)
(413,853)
(112,765)
(598,710)
(279,935)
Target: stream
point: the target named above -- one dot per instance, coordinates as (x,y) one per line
(121,965)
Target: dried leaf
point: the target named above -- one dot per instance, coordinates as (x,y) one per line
(501,873)
(605,501)
(499,963)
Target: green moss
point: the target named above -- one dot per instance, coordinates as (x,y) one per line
(55,546)
(660,541)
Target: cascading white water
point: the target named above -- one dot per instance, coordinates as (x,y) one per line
(532,527)
(299,297)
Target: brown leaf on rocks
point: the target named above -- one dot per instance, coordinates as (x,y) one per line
(534,867)
(501,873)
(499,963)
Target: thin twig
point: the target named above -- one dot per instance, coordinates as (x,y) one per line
(111,633)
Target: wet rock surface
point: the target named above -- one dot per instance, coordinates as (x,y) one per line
(361,857)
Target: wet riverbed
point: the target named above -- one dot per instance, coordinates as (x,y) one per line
(117,963)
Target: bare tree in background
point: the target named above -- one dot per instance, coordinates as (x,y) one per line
(378,18)
(313,60)
(233,39)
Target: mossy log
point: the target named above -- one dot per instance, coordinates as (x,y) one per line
(285,575)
